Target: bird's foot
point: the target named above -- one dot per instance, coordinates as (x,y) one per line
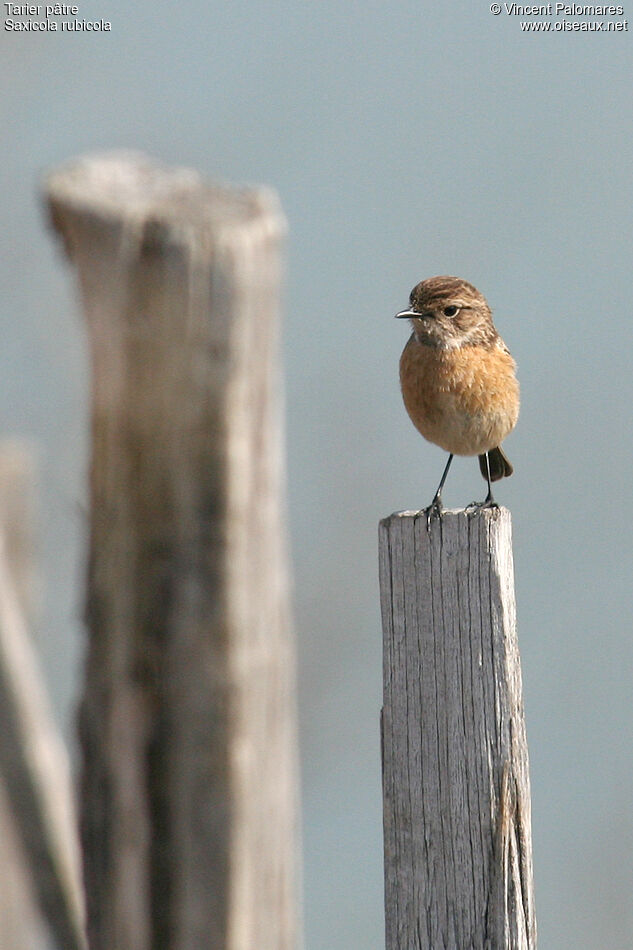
(435,510)
(488,502)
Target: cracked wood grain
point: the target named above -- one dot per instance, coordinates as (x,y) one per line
(188,728)
(457,833)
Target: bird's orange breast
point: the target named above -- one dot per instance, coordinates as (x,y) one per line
(464,399)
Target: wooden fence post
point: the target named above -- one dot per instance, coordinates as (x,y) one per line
(188,714)
(38,827)
(458,853)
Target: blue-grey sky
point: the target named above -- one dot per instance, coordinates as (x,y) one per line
(405,140)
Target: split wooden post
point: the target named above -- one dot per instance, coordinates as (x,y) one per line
(458,853)
(188,725)
(37,815)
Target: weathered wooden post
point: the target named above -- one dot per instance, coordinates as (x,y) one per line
(458,853)
(188,714)
(38,832)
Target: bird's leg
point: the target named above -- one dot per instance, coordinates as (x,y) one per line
(435,508)
(489,500)
(437,497)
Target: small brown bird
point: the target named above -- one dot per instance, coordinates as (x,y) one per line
(458,378)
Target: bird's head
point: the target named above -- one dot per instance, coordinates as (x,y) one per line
(448,312)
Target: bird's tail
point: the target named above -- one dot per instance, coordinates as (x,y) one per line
(500,466)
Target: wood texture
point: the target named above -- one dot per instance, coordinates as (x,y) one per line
(188,713)
(36,795)
(457,832)
(21,923)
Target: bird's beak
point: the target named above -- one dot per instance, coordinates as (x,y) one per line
(406,313)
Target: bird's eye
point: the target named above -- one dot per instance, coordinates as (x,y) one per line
(450,311)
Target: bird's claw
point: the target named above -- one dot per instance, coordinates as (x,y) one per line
(480,505)
(435,510)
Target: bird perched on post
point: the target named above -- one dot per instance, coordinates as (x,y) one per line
(458,378)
